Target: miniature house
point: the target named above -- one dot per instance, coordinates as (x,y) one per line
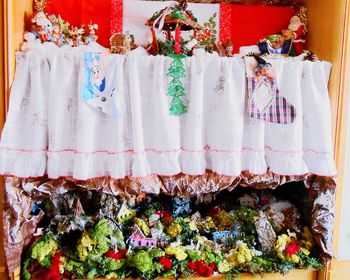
(138,239)
(124,214)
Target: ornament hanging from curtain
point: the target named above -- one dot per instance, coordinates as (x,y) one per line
(265,102)
(176,89)
(100,90)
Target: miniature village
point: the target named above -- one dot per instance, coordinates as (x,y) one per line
(89,235)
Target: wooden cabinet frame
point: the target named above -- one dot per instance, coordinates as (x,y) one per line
(329,37)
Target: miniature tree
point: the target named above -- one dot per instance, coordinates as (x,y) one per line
(176,89)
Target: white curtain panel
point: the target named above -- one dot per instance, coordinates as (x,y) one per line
(51,129)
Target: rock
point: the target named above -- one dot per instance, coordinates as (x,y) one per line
(266,234)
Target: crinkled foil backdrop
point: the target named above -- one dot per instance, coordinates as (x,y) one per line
(20,194)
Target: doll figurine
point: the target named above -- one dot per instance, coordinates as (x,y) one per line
(277,43)
(298,29)
(56,34)
(42,26)
(289,41)
(92,32)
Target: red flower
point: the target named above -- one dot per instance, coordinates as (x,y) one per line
(192,265)
(117,256)
(213,211)
(213,266)
(195,265)
(164,214)
(166,262)
(205,271)
(201,268)
(54,271)
(292,248)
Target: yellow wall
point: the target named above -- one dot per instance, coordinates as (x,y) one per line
(329,37)
(3,273)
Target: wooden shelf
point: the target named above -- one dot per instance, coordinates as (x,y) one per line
(297,275)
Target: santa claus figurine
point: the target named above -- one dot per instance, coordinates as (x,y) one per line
(298,29)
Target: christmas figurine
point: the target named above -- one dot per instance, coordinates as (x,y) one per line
(92,32)
(220,49)
(289,41)
(229,47)
(299,30)
(122,43)
(277,43)
(40,22)
(57,34)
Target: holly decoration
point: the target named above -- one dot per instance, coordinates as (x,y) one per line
(176,89)
(207,36)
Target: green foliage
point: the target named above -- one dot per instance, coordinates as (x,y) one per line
(177,14)
(156,253)
(26,263)
(194,255)
(211,256)
(43,249)
(142,261)
(309,262)
(101,233)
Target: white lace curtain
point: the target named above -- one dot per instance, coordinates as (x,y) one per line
(51,130)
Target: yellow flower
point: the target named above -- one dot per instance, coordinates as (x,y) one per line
(294,258)
(112,275)
(208,223)
(281,242)
(305,251)
(281,256)
(240,255)
(224,266)
(178,252)
(85,245)
(192,225)
(143,226)
(174,230)
(223,220)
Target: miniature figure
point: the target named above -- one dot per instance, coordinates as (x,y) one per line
(92,32)
(229,47)
(122,43)
(297,27)
(220,49)
(42,26)
(289,41)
